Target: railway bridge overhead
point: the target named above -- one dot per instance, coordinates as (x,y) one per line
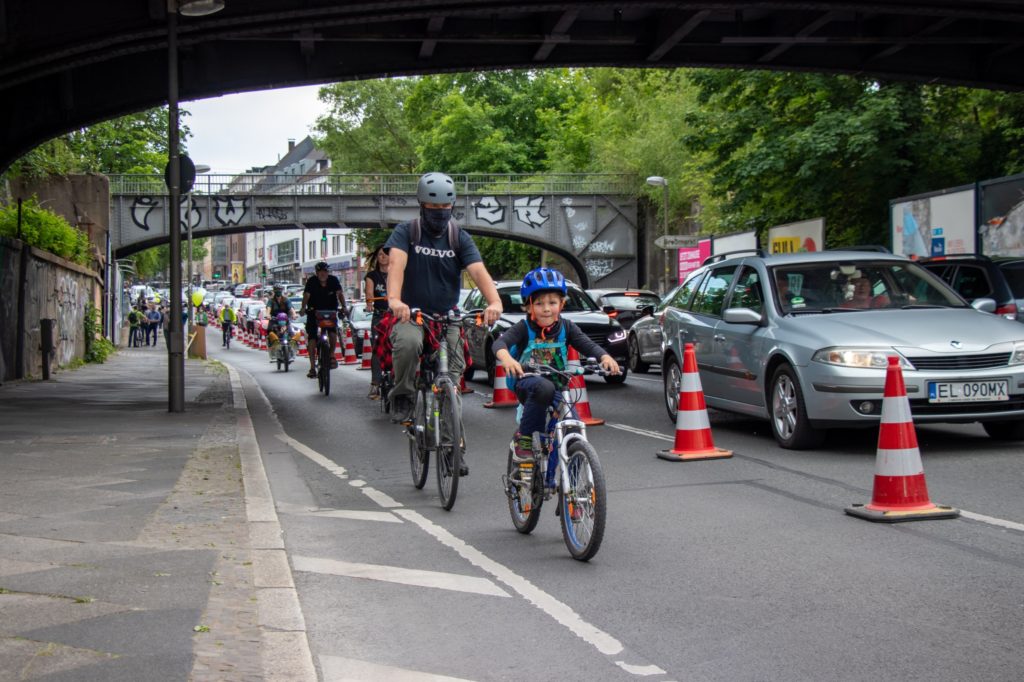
(64,65)
(590,220)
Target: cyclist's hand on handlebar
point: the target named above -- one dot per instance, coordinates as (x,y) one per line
(609,365)
(513,367)
(492,313)
(400,309)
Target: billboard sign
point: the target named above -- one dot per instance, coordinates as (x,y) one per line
(1001,232)
(936,224)
(806,235)
(691,257)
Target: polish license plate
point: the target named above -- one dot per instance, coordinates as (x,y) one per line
(968,391)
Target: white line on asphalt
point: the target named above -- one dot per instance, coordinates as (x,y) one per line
(600,640)
(354,515)
(312,454)
(560,612)
(1012,525)
(641,432)
(640,670)
(397,574)
(341,669)
(991,520)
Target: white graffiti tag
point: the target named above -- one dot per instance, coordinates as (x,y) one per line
(141,208)
(528,210)
(602,247)
(489,210)
(569,210)
(599,267)
(70,318)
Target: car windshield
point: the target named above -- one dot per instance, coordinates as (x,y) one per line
(850,286)
(575,301)
(631,301)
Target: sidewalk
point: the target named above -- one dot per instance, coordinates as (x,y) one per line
(126,531)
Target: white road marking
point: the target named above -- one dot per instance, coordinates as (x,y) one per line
(309,452)
(383,499)
(340,669)
(354,515)
(991,520)
(1003,523)
(357,483)
(640,670)
(397,574)
(600,640)
(641,432)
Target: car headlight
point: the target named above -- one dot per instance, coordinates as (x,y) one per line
(867,358)
(1017,358)
(616,336)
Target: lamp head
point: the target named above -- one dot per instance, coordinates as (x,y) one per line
(657,181)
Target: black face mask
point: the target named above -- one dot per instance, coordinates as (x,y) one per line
(435,220)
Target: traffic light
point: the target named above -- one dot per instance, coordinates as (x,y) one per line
(323,236)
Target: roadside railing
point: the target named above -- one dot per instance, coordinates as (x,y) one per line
(385,185)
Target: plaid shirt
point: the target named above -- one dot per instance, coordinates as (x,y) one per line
(430,340)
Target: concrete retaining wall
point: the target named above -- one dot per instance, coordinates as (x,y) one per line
(54,289)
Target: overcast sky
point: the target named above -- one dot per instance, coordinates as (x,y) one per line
(233,133)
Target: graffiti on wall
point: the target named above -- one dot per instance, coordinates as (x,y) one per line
(227,210)
(528,210)
(599,267)
(70,302)
(490,210)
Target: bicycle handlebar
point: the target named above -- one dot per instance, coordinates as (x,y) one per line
(540,369)
(454,315)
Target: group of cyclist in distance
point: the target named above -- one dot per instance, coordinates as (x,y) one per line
(419,268)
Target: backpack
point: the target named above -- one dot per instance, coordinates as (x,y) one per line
(557,346)
(133,318)
(453,233)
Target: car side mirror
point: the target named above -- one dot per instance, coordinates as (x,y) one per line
(646,311)
(742,316)
(985,305)
(609,309)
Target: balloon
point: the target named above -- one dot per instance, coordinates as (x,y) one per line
(197,298)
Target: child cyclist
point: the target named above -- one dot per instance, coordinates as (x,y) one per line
(544,338)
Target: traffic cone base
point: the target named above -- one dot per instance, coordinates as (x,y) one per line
(350,349)
(693,429)
(502,396)
(900,492)
(367,352)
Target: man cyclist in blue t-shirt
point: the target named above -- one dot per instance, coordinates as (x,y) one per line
(322,292)
(426,275)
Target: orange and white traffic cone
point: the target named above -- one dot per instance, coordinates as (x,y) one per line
(263,341)
(693,429)
(578,387)
(303,350)
(900,492)
(367,354)
(350,349)
(502,396)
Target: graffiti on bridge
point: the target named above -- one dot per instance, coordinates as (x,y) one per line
(227,210)
(271,213)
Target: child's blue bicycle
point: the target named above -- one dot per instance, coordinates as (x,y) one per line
(563,463)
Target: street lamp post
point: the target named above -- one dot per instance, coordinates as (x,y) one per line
(658,181)
(175,334)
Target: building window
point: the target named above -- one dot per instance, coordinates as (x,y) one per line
(311,254)
(336,245)
(350,243)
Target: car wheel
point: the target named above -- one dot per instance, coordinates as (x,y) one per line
(790,425)
(1004,430)
(635,363)
(617,379)
(673,382)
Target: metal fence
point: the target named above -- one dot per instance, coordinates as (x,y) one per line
(471,184)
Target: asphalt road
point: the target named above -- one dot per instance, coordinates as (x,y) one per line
(736,569)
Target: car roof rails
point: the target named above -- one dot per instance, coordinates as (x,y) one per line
(876,248)
(714,258)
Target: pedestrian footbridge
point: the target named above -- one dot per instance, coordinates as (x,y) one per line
(591,220)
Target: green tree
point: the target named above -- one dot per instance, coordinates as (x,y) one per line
(366,130)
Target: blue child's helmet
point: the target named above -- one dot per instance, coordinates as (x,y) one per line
(542,279)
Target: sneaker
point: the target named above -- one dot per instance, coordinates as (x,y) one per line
(374,393)
(311,374)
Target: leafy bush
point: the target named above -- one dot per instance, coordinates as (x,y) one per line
(44,229)
(97,348)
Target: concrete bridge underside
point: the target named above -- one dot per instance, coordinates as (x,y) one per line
(596,233)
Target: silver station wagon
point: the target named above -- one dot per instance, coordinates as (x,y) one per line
(803,341)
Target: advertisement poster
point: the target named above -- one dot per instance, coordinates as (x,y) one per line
(691,258)
(737,241)
(806,235)
(936,224)
(1001,232)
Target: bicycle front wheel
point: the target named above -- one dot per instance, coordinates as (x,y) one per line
(419,454)
(524,499)
(325,368)
(449,446)
(582,508)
